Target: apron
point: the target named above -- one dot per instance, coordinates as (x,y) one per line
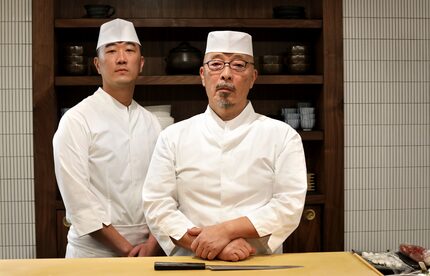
(88,247)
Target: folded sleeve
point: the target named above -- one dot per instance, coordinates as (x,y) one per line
(71,146)
(160,201)
(281,215)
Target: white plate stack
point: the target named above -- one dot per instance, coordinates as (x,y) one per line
(162,112)
(311,182)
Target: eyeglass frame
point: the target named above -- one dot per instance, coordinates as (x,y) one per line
(228,62)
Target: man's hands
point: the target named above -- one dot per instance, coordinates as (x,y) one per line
(237,250)
(224,241)
(139,250)
(210,241)
(148,248)
(219,241)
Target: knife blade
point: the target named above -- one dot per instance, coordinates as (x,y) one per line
(202,266)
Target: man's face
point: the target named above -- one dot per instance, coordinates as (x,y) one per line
(227,89)
(119,64)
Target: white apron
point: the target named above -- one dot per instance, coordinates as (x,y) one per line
(88,247)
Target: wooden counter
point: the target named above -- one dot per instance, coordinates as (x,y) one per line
(328,263)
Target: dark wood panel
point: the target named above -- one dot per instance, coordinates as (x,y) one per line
(307,237)
(44,117)
(62,231)
(333,118)
(315,199)
(188,9)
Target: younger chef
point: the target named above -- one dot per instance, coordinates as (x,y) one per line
(228,182)
(102,150)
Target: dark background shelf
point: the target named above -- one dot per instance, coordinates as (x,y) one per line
(162,25)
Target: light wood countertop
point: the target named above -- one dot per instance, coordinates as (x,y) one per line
(318,263)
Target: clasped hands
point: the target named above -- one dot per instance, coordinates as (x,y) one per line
(139,250)
(214,242)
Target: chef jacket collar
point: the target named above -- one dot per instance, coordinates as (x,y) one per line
(109,99)
(246,116)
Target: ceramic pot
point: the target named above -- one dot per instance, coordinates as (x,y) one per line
(184,59)
(99,11)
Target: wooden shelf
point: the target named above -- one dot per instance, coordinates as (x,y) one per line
(315,135)
(289,79)
(197,23)
(188,80)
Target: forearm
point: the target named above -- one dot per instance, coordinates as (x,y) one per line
(211,240)
(240,228)
(110,237)
(154,248)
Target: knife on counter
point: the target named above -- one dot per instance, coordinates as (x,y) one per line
(202,266)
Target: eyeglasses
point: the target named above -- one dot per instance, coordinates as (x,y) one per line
(237,65)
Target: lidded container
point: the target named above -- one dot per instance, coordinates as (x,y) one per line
(184,59)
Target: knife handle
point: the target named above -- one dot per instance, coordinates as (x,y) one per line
(178,266)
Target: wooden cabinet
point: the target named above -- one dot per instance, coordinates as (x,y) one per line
(308,236)
(161,26)
(62,229)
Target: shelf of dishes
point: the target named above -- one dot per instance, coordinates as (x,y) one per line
(162,112)
(293,58)
(187,80)
(301,116)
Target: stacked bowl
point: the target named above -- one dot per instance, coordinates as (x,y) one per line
(303,116)
(291,117)
(307,117)
(75,61)
(298,59)
(289,12)
(162,112)
(271,64)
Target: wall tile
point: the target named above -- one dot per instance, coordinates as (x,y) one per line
(17,227)
(387,123)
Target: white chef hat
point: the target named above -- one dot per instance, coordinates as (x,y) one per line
(229,42)
(117,30)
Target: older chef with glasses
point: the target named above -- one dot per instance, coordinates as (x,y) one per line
(229,182)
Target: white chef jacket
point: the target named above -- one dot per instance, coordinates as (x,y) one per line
(205,171)
(102,151)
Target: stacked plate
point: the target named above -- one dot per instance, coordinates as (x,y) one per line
(162,112)
(311,182)
(289,12)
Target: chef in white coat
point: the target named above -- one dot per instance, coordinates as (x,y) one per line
(230,182)
(102,150)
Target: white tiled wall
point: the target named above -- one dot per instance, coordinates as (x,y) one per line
(387,123)
(17,229)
